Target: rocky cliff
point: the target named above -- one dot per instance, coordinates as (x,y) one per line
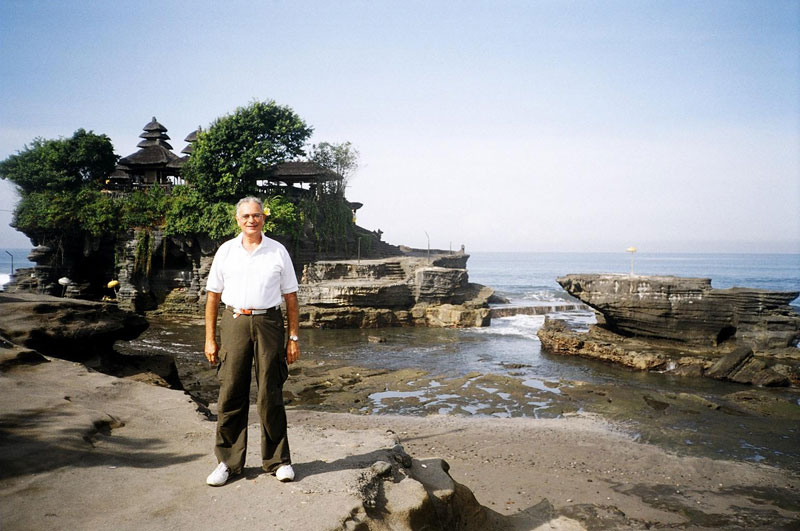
(391,286)
(684,326)
(689,310)
(407,290)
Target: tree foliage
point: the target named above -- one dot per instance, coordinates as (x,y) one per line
(189,213)
(237,149)
(144,208)
(60,184)
(66,212)
(284,217)
(342,158)
(62,164)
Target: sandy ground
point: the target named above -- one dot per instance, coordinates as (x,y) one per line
(83,450)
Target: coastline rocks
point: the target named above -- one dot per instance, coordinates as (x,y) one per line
(684,327)
(688,310)
(71,328)
(166,275)
(740,365)
(394,291)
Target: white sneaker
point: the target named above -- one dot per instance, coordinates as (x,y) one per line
(219,476)
(285,473)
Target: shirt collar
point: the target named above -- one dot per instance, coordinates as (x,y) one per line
(240,240)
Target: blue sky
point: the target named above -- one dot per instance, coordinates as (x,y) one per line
(502,125)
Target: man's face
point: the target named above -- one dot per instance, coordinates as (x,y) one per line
(250,218)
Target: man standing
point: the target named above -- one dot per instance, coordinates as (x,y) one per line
(250,274)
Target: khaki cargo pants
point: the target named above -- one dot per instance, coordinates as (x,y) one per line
(244,341)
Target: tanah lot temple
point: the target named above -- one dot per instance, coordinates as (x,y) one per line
(155,165)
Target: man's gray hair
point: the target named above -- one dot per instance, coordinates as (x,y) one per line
(250,199)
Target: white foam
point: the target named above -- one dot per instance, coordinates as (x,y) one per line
(5,278)
(517,325)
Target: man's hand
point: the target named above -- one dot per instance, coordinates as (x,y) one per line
(292,352)
(212,351)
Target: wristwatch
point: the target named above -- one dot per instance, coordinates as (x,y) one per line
(293,338)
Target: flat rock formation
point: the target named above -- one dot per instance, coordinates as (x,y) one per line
(69,327)
(395,291)
(689,310)
(684,326)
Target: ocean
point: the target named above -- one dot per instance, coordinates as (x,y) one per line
(530,277)
(10,260)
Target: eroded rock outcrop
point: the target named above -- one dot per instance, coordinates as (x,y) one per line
(167,275)
(683,325)
(689,310)
(392,292)
(65,327)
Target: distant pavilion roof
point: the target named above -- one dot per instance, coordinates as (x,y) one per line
(191,138)
(301,172)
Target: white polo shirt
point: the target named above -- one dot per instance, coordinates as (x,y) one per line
(252,281)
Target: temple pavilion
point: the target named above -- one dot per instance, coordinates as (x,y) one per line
(154,164)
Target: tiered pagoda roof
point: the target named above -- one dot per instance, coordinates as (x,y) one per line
(191,138)
(155,152)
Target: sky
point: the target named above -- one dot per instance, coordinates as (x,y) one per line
(577,126)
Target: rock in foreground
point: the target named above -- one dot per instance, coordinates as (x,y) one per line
(70,328)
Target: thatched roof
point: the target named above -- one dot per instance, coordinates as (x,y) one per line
(154,126)
(178,162)
(120,170)
(155,134)
(156,155)
(156,151)
(301,171)
(191,138)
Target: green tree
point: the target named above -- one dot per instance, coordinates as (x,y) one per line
(144,208)
(189,213)
(342,158)
(62,164)
(284,217)
(238,148)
